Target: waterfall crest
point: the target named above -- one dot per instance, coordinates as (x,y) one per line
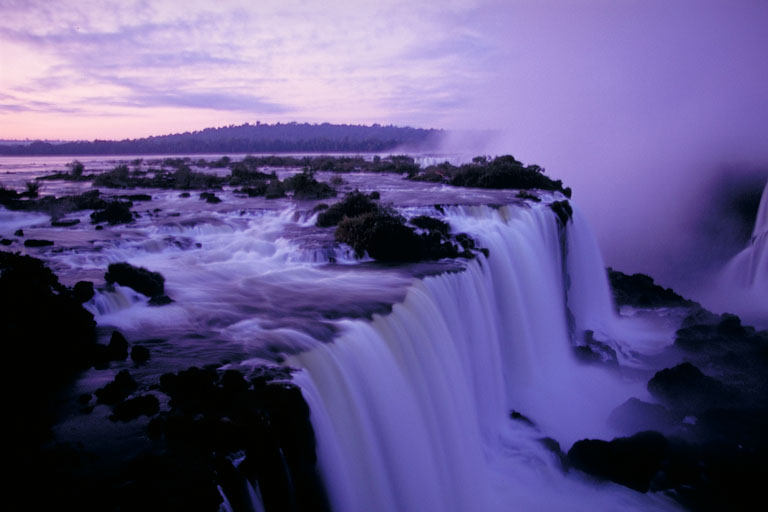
(411,410)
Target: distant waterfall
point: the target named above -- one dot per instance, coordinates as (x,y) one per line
(411,410)
(749,269)
(743,284)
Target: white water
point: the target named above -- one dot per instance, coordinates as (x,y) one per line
(411,410)
(743,285)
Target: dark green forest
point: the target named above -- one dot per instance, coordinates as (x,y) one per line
(249,138)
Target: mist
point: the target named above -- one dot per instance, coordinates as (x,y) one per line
(645,109)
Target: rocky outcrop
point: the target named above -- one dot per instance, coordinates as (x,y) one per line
(640,290)
(146,282)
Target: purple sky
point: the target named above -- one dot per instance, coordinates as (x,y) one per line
(80,69)
(645,98)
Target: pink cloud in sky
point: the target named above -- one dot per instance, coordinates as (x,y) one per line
(117,69)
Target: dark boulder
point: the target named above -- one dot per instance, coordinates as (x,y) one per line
(118,347)
(640,290)
(64,223)
(83,291)
(431,224)
(37,243)
(18,232)
(517,416)
(631,461)
(140,279)
(635,415)
(43,326)
(136,197)
(5,241)
(210,197)
(117,390)
(687,389)
(139,354)
(528,196)
(553,446)
(563,210)
(219,412)
(127,410)
(115,212)
(160,300)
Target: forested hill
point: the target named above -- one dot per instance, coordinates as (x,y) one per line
(250,138)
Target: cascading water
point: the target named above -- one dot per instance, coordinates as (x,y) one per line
(411,410)
(410,379)
(749,269)
(743,284)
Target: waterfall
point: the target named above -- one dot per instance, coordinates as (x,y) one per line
(749,269)
(743,284)
(411,410)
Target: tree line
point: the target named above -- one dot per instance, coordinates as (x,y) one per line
(249,138)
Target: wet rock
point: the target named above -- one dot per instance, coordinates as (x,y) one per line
(18,232)
(115,212)
(37,243)
(210,197)
(563,210)
(117,390)
(136,197)
(140,279)
(168,481)
(521,418)
(553,446)
(431,224)
(83,291)
(631,461)
(634,415)
(640,290)
(118,347)
(700,316)
(257,190)
(160,300)
(686,388)
(5,241)
(139,354)
(264,421)
(595,352)
(40,325)
(528,196)
(184,194)
(64,223)
(146,405)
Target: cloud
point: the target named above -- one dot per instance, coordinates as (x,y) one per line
(393,61)
(207,100)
